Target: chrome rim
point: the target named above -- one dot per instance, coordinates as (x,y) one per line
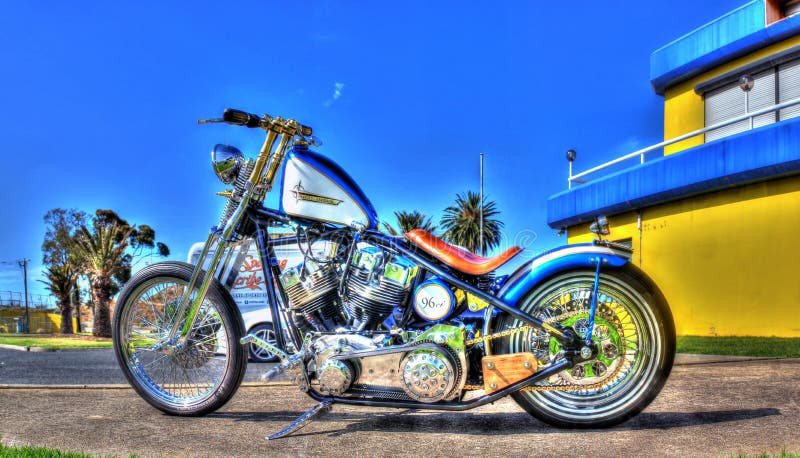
(258,353)
(176,377)
(630,347)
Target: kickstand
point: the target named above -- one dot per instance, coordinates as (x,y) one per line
(319,409)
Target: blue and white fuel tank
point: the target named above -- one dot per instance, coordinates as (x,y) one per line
(315,187)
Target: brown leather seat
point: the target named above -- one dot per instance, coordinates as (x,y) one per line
(459,258)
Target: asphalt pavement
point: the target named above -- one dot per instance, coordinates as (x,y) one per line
(84,367)
(711,406)
(717,409)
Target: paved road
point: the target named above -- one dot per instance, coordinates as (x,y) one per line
(704,410)
(85,367)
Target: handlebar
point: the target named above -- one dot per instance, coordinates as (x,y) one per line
(243,118)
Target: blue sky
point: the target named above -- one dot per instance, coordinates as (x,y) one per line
(99,102)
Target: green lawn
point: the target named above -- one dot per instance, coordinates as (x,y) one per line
(776,347)
(37,452)
(54,342)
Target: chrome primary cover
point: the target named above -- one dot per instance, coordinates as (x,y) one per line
(334,376)
(428,375)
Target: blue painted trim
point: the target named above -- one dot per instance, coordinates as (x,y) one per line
(535,271)
(733,35)
(334,172)
(765,153)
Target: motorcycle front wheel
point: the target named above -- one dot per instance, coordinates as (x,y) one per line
(633,330)
(192,379)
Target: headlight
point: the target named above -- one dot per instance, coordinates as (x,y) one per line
(226,161)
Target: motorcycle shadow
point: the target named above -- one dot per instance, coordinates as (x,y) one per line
(421,422)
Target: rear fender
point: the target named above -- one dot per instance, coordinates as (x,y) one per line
(570,257)
(558,260)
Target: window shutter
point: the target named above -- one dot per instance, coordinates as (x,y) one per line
(789,87)
(729,102)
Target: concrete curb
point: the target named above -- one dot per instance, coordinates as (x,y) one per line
(48,350)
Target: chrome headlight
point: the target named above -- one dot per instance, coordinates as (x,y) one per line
(226,161)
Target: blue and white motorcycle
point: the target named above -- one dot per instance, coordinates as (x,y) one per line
(579,336)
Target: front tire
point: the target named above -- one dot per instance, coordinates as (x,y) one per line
(192,380)
(635,333)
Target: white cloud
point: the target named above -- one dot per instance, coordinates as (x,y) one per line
(337,92)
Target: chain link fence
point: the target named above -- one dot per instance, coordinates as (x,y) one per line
(42,310)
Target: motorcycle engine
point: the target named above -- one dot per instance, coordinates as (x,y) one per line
(376,283)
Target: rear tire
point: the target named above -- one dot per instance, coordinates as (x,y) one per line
(633,318)
(196,379)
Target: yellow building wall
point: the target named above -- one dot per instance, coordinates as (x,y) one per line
(684,110)
(726,261)
(40,321)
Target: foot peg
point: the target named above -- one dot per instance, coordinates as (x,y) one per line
(319,409)
(293,364)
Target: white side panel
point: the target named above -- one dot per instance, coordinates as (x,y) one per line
(310,194)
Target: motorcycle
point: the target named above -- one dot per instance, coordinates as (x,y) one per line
(579,336)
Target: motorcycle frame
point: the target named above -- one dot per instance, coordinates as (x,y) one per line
(262,218)
(251,219)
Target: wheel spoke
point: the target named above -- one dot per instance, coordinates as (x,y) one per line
(175,376)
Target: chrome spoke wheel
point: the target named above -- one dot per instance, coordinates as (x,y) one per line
(635,341)
(178,377)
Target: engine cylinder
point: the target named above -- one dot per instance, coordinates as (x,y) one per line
(313,294)
(376,285)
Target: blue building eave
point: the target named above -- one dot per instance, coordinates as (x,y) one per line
(733,35)
(765,153)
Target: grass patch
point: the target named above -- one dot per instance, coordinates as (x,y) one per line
(37,452)
(55,341)
(783,454)
(774,347)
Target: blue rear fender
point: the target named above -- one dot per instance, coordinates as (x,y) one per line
(558,260)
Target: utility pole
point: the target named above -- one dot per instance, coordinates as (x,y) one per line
(24,264)
(480,207)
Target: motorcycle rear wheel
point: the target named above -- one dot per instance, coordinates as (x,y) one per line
(632,318)
(197,378)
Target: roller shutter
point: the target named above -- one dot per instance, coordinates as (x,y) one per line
(789,87)
(729,102)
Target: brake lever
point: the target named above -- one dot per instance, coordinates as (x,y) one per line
(209,121)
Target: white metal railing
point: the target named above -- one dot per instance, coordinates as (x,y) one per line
(578,177)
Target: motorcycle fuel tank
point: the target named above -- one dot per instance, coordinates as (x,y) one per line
(315,187)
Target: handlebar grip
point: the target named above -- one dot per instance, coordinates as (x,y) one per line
(241,118)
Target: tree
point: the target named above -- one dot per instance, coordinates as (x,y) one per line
(106,250)
(408,221)
(461,223)
(58,256)
(60,279)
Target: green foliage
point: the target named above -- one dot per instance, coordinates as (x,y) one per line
(110,244)
(774,347)
(61,226)
(106,250)
(784,454)
(461,223)
(48,341)
(61,281)
(408,221)
(37,452)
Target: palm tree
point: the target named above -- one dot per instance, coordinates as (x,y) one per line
(61,269)
(106,252)
(61,280)
(408,221)
(461,223)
